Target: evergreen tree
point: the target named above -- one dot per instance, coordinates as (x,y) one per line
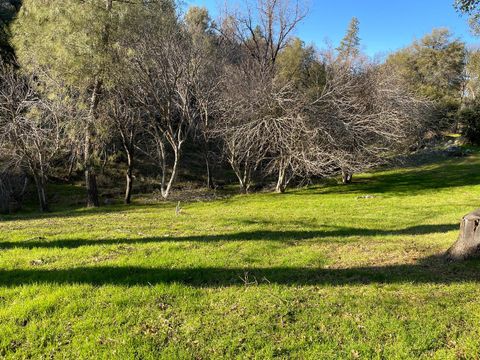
(433,66)
(350,45)
(298,65)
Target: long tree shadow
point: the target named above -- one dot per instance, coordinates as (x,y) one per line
(428,271)
(338,235)
(82,211)
(447,174)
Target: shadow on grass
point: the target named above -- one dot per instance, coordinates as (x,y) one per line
(279,236)
(447,174)
(432,270)
(83,211)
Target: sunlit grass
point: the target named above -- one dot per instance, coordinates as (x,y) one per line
(323,272)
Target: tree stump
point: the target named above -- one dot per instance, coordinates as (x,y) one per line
(468,244)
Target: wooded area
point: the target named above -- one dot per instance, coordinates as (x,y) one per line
(144,81)
(138,83)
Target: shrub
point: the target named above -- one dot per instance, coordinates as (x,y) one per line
(469,118)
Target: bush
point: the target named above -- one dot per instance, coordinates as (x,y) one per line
(448,116)
(469,118)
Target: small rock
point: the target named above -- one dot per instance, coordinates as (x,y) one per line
(366,197)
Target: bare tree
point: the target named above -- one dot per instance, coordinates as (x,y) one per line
(253,110)
(30,129)
(128,120)
(242,108)
(265,126)
(367,115)
(354,119)
(291,139)
(265,27)
(206,92)
(166,66)
(206,84)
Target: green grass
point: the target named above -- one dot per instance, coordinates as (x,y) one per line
(316,273)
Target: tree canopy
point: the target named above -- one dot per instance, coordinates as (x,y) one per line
(467,6)
(433,66)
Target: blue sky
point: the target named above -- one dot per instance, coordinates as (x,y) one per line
(384,25)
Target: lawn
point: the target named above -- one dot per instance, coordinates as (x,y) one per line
(316,273)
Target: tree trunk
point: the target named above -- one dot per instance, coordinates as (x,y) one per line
(90,177)
(104,161)
(71,165)
(92,191)
(346,177)
(243,188)
(166,190)
(41,192)
(242,176)
(129,177)
(245,182)
(207,167)
(468,243)
(281,183)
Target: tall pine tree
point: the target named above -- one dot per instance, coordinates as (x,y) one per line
(350,45)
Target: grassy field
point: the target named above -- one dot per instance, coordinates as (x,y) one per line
(316,273)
